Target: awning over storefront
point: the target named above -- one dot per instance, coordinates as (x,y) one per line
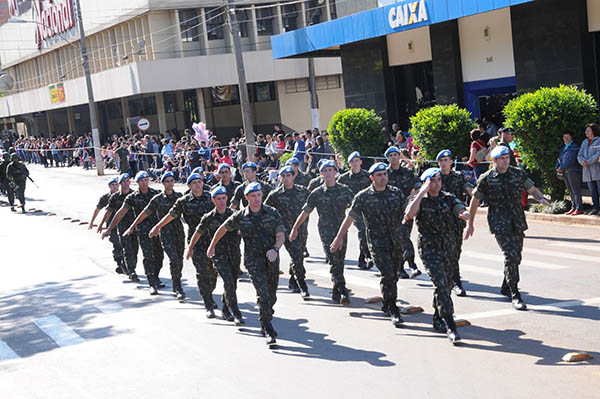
(404,15)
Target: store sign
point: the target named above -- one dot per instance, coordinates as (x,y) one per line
(407,14)
(52,17)
(57,93)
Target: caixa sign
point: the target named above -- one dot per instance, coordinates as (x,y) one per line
(52,17)
(408,13)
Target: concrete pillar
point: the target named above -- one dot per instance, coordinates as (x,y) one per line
(50,122)
(71,119)
(278,28)
(203,33)
(303,20)
(253,28)
(327,9)
(125,109)
(200,100)
(160,109)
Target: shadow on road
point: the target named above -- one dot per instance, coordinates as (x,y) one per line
(582,240)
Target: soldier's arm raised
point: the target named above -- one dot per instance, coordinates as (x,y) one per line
(415,203)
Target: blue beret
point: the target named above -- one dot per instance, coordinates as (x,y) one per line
(499,151)
(218,190)
(429,173)
(321,163)
(292,161)
(124,177)
(287,169)
(114,180)
(194,176)
(377,167)
(249,165)
(443,153)
(198,169)
(390,150)
(165,175)
(252,187)
(141,175)
(355,154)
(326,164)
(223,166)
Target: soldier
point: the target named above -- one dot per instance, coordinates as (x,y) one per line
(317,181)
(3,182)
(192,206)
(407,182)
(435,211)
(16,176)
(381,207)
(249,170)
(300,178)
(507,136)
(128,243)
(172,236)
(151,249)
(288,199)
(455,183)
(227,252)
(263,231)
(358,179)
(501,188)
(113,185)
(331,200)
(224,171)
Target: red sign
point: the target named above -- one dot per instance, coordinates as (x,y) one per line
(53,17)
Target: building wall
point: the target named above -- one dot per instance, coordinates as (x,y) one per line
(409,47)
(593,11)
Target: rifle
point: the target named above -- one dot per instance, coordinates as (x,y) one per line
(26,175)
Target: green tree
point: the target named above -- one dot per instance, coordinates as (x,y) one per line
(356,129)
(540,118)
(442,127)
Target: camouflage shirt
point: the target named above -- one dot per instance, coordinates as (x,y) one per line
(209,224)
(437,215)
(137,202)
(16,171)
(456,183)
(404,179)
(302,179)
(331,204)
(231,187)
(160,205)
(103,203)
(192,209)
(239,197)
(382,212)
(356,181)
(289,203)
(114,204)
(259,230)
(314,183)
(503,195)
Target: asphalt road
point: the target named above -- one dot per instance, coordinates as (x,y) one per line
(71,328)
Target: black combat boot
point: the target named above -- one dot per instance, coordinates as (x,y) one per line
(209,305)
(370,264)
(395,315)
(159,283)
(152,283)
(344,296)
(305,253)
(238,320)
(505,290)
(269,332)
(335,294)
(178,289)
(303,289)
(413,271)
(458,289)
(226,314)
(362,263)
(517,301)
(452,331)
(293,284)
(121,268)
(134,277)
(438,323)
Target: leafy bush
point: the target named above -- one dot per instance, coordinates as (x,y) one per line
(284,157)
(356,129)
(556,207)
(540,119)
(442,127)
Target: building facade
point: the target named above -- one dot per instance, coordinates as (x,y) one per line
(169,62)
(400,56)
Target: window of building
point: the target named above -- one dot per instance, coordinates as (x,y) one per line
(289,16)
(328,82)
(188,23)
(296,85)
(215,19)
(264,21)
(264,91)
(170,100)
(136,107)
(224,95)
(114,110)
(190,107)
(315,12)
(150,106)
(332,10)
(243,19)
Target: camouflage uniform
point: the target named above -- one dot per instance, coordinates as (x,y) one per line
(455,183)
(358,182)
(331,204)
(302,179)
(506,218)
(192,209)
(435,222)
(151,249)
(289,204)
(404,179)
(114,236)
(314,183)
(129,243)
(382,212)
(259,231)
(172,236)
(227,253)
(239,197)
(231,187)
(16,176)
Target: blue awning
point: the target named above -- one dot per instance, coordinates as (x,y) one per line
(397,17)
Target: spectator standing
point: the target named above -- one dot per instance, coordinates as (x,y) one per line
(588,157)
(299,151)
(567,165)
(477,154)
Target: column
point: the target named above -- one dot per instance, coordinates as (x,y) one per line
(50,122)
(125,109)
(200,101)
(160,109)
(71,119)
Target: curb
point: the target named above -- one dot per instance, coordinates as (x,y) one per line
(581,220)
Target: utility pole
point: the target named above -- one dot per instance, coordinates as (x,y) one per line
(92,104)
(244,98)
(312,87)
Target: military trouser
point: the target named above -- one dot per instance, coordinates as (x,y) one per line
(10,194)
(408,249)
(117,251)
(153,255)
(435,257)
(228,267)
(130,247)
(296,250)
(335,260)
(388,262)
(362,237)
(206,275)
(18,191)
(173,243)
(511,244)
(265,277)
(453,271)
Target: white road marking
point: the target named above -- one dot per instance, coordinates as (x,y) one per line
(482,270)
(565,255)
(56,329)
(526,263)
(351,280)
(6,353)
(585,247)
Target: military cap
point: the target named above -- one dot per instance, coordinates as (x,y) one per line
(429,173)
(391,150)
(355,154)
(113,180)
(249,165)
(377,167)
(499,151)
(223,166)
(218,190)
(165,175)
(443,153)
(194,176)
(123,177)
(292,161)
(326,164)
(198,169)
(141,175)
(286,169)
(252,187)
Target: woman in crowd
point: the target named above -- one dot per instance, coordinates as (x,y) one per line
(588,157)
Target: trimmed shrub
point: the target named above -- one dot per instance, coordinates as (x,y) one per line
(356,129)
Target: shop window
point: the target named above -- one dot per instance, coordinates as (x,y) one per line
(264,21)
(136,107)
(242,16)
(150,106)
(114,110)
(264,91)
(315,12)
(289,17)
(215,19)
(188,23)
(170,100)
